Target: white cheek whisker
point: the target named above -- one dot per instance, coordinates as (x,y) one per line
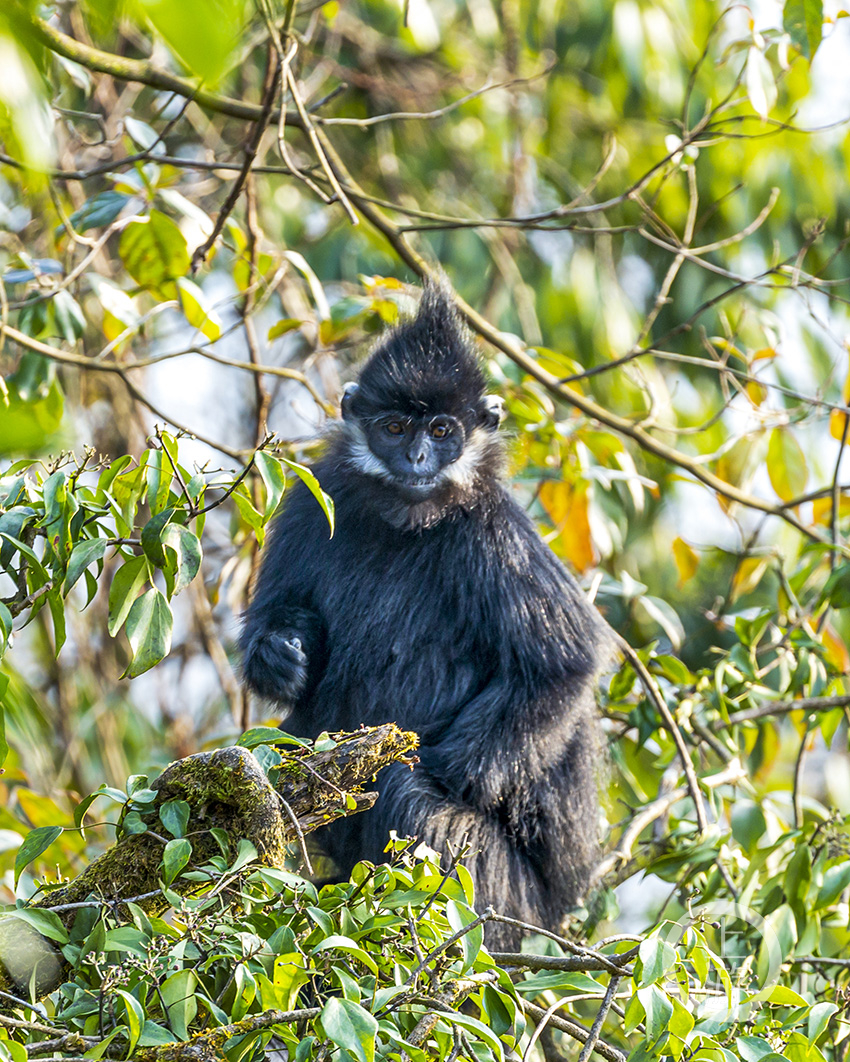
(361,457)
(462,472)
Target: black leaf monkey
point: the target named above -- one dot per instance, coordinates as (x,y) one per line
(436,605)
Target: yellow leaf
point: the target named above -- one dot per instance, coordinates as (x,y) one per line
(786,464)
(756,392)
(765,352)
(749,575)
(567,506)
(822,509)
(837,422)
(686,560)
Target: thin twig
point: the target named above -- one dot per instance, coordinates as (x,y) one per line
(251,148)
(599,1020)
(296,825)
(655,695)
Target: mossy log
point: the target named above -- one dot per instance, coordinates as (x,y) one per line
(227,790)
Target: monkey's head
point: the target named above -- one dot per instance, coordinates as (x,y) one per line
(419,419)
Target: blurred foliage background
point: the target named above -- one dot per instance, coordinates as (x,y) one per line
(208,211)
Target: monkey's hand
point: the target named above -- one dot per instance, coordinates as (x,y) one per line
(275,664)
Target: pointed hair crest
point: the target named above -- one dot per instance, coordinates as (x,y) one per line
(426,364)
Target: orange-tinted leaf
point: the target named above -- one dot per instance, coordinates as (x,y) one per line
(686,559)
(836,649)
(786,464)
(567,506)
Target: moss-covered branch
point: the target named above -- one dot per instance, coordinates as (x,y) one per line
(225,790)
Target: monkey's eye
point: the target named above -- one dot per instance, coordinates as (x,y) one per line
(395,427)
(439,431)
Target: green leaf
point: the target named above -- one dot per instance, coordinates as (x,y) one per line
(57,613)
(337,942)
(752,1048)
(154,1035)
(99,1050)
(135,1016)
(460,916)
(779,995)
(83,806)
(70,319)
(681,1021)
(657,957)
(174,816)
(779,935)
(748,824)
(152,534)
(286,324)
(837,587)
(802,20)
(119,314)
(197,309)
(186,547)
(35,842)
(499,1008)
(149,632)
(350,1027)
(133,823)
(175,856)
(269,735)
(143,135)
(154,250)
(47,923)
(473,1025)
(835,881)
(799,874)
(82,555)
(55,493)
(274,481)
(658,1010)
(819,1017)
(127,939)
(203,33)
(312,484)
(159,474)
(99,211)
(126,583)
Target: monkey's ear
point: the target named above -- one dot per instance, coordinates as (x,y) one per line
(492,411)
(348,393)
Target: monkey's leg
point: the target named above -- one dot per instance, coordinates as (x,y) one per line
(506,874)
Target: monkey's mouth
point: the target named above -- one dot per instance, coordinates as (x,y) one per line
(417,485)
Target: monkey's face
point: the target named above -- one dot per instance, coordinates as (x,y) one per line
(415,450)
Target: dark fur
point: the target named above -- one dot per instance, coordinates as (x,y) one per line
(450,616)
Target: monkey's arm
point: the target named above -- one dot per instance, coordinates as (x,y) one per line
(283,634)
(281,653)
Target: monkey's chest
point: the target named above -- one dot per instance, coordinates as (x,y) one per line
(409,645)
